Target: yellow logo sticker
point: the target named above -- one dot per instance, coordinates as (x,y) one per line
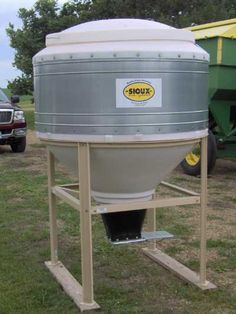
(139,91)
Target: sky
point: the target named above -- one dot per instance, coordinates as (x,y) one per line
(8,14)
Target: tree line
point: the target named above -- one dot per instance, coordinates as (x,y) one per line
(47,17)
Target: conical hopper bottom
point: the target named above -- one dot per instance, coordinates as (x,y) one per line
(120,175)
(124,174)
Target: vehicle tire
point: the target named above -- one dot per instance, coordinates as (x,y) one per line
(19,145)
(191,164)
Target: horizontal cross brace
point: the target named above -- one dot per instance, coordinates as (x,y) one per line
(156,203)
(64,194)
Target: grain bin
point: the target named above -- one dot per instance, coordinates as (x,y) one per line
(119,103)
(121,80)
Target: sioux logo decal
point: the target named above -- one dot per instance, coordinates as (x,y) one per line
(139,91)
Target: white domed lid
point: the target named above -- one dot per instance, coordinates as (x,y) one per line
(118,30)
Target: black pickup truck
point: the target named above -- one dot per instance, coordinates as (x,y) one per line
(12,123)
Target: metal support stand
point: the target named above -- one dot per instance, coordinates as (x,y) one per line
(52,209)
(151,225)
(83,294)
(203,215)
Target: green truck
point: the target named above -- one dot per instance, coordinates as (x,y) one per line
(219,40)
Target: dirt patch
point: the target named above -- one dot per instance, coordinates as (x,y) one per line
(31,137)
(34,157)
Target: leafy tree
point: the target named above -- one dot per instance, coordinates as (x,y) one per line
(177,13)
(22,85)
(46,17)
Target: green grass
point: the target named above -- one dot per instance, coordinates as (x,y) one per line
(29,116)
(28,107)
(125,281)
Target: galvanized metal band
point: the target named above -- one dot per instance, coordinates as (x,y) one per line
(117,114)
(114,59)
(62,139)
(118,55)
(123,71)
(118,125)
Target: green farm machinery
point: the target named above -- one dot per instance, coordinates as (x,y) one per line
(219,40)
